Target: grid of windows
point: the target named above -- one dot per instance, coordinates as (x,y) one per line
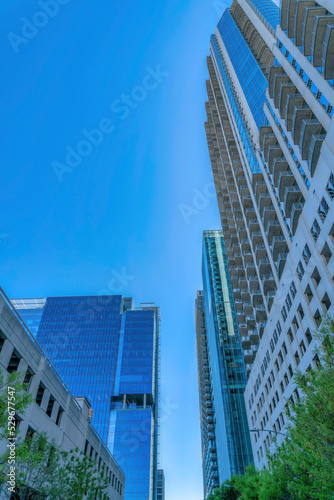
(105,354)
(269,10)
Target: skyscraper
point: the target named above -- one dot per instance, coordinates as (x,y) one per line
(108,350)
(226,446)
(270,134)
(161,485)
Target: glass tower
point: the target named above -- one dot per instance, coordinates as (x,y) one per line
(161,485)
(107,350)
(226,446)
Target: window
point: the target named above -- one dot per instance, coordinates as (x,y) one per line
(308,336)
(315,230)
(326,303)
(288,302)
(306,254)
(2,339)
(282,387)
(284,348)
(300,311)
(27,378)
(290,371)
(14,362)
(279,328)
(300,271)
(286,379)
(316,278)
(302,348)
(330,186)
(272,346)
(59,416)
(275,336)
(317,318)
(290,335)
(326,253)
(50,406)
(277,366)
(39,395)
(323,209)
(308,293)
(280,357)
(297,358)
(293,289)
(284,313)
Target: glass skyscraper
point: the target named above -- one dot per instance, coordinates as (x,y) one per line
(226,446)
(107,350)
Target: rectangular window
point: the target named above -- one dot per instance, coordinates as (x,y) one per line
(39,395)
(14,362)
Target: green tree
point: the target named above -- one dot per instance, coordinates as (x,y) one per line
(14,398)
(302,466)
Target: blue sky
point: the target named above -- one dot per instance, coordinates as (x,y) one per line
(129,217)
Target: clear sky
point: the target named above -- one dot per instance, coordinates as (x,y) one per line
(126,215)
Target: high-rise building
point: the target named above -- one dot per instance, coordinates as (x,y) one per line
(108,350)
(161,485)
(270,134)
(226,446)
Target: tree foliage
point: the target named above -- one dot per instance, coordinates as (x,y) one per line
(42,470)
(302,466)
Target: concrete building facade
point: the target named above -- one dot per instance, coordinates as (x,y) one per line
(270,134)
(54,411)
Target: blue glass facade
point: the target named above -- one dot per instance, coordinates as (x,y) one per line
(248,71)
(269,10)
(228,370)
(108,351)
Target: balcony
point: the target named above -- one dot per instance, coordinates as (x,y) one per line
(264,200)
(246,344)
(268,282)
(260,312)
(257,297)
(250,269)
(328,53)
(273,71)
(296,211)
(260,252)
(266,130)
(274,229)
(286,90)
(298,20)
(279,165)
(314,153)
(253,336)
(292,101)
(243,283)
(243,330)
(250,212)
(249,356)
(285,179)
(248,256)
(247,201)
(244,244)
(245,296)
(264,266)
(253,283)
(268,140)
(269,213)
(278,245)
(256,238)
(281,261)
(239,306)
(274,152)
(307,29)
(253,225)
(248,308)
(280,80)
(301,113)
(292,195)
(308,129)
